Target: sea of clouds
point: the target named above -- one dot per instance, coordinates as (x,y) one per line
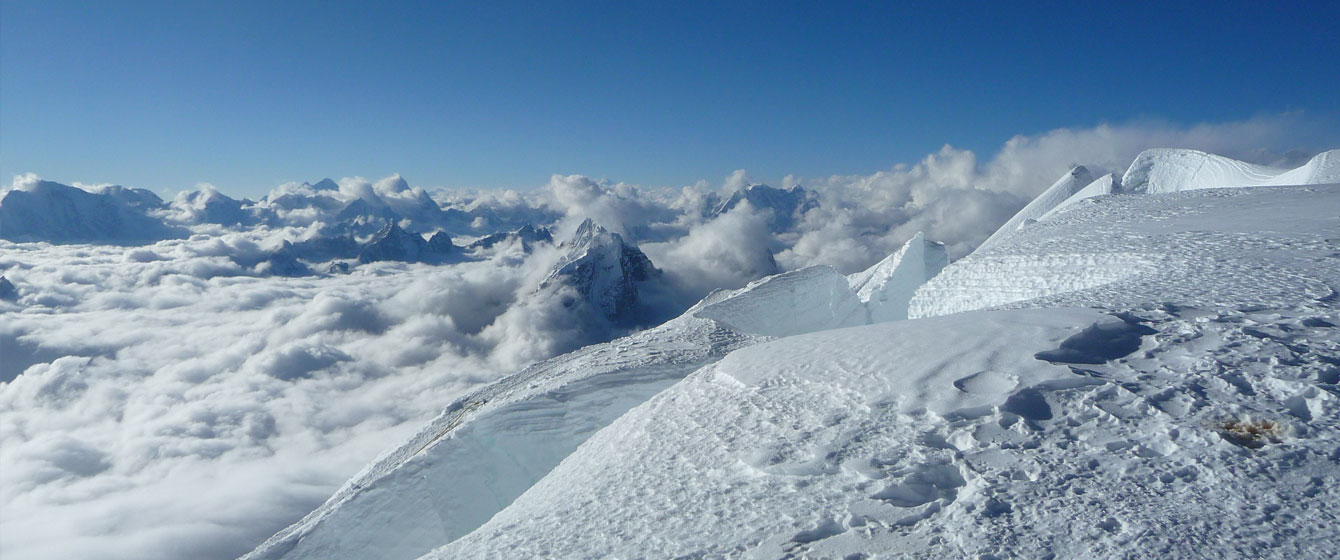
(174,400)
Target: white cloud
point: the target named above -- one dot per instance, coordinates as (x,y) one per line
(171,401)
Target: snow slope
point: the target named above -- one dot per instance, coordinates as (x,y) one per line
(1063,189)
(1177,241)
(800,301)
(490,446)
(817,298)
(886,288)
(1095,424)
(1107,184)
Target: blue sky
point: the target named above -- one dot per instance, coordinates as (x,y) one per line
(246,95)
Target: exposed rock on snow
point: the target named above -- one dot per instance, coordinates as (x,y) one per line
(604,269)
(526,235)
(394,244)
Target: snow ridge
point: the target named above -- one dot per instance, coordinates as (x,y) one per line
(818,298)
(1060,191)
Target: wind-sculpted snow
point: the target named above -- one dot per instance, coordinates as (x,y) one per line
(1204,247)
(1116,429)
(1107,184)
(818,298)
(1063,189)
(1170,170)
(886,288)
(491,445)
(956,437)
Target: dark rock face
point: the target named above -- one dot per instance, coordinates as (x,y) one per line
(604,270)
(527,234)
(392,243)
(7,290)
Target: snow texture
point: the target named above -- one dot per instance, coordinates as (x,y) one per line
(1062,190)
(1103,420)
(1129,247)
(818,298)
(491,445)
(1169,170)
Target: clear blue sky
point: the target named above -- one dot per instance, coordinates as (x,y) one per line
(246,95)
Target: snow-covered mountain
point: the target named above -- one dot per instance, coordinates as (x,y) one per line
(48,211)
(394,244)
(1161,382)
(786,206)
(604,270)
(527,235)
(209,206)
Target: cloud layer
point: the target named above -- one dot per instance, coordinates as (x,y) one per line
(175,400)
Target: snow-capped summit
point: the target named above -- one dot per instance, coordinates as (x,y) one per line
(786,205)
(324,185)
(209,206)
(392,184)
(365,211)
(527,235)
(392,243)
(604,269)
(49,211)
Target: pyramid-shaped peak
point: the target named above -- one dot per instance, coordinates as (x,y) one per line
(587,233)
(326,185)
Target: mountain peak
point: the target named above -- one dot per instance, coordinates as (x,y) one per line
(604,269)
(326,185)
